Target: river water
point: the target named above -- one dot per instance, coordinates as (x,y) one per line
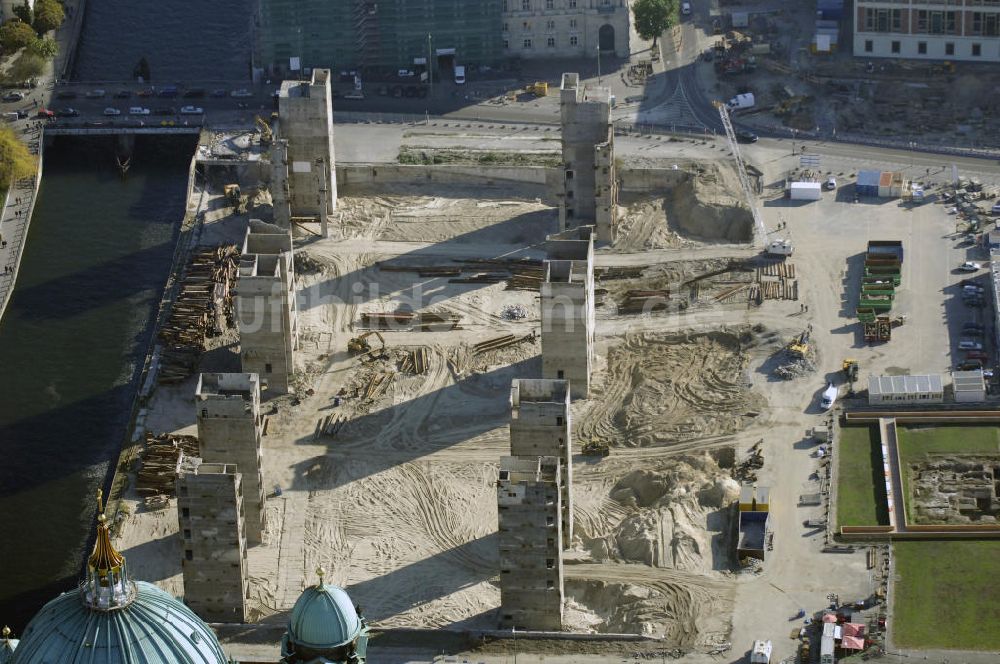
(71,342)
(183,40)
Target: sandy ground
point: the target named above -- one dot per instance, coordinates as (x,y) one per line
(400,505)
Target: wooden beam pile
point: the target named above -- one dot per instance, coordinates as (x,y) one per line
(644,301)
(618,272)
(161,460)
(775,281)
(376,386)
(329,425)
(415,361)
(526,278)
(499,342)
(203,308)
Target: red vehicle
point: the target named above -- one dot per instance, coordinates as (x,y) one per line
(976,355)
(46,113)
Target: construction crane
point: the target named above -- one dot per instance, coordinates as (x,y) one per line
(741,171)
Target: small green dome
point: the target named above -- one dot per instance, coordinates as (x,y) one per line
(151,628)
(323,617)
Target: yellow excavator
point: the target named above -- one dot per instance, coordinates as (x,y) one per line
(850,369)
(799,346)
(359,345)
(266,135)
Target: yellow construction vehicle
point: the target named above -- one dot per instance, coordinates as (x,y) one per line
(538,88)
(359,345)
(799,346)
(266,135)
(595,448)
(850,369)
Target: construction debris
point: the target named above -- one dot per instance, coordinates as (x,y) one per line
(161,460)
(514,312)
(203,309)
(415,361)
(746,470)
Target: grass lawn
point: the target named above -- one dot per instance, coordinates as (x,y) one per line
(861,497)
(916,442)
(946,594)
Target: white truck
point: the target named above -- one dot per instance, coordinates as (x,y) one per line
(761,652)
(741,101)
(779,248)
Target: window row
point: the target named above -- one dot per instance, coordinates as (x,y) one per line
(550,25)
(550,42)
(895,47)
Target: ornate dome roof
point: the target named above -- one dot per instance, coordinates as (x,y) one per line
(111,619)
(152,628)
(324,617)
(7,646)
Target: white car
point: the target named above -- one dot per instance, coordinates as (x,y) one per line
(192,110)
(242,92)
(138,110)
(829,396)
(112,111)
(685,8)
(969,266)
(830,184)
(405,73)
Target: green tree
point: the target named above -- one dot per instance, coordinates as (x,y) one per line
(15,160)
(28,65)
(49,15)
(45,47)
(25,13)
(652,17)
(15,34)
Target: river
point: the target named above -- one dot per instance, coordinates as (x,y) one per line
(182,40)
(72,340)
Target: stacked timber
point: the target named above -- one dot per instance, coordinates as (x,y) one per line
(644,301)
(500,342)
(415,361)
(161,460)
(203,308)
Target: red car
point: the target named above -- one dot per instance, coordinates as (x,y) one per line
(46,113)
(976,355)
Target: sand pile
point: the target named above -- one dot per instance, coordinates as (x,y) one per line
(663,517)
(705,206)
(642,225)
(664,389)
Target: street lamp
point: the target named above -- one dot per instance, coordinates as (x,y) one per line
(598,64)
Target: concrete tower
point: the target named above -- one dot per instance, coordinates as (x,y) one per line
(229,432)
(305,112)
(530,525)
(589,193)
(567,304)
(266,307)
(540,427)
(211,518)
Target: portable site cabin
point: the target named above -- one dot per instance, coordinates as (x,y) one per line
(921,388)
(805,191)
(969,386)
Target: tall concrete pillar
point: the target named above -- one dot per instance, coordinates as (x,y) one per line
(540,427)
(531,568)
(589,193)
(210,514)
(567,307)
(266,308)
(230,427)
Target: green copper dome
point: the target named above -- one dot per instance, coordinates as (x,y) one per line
(325,627)
(153,628)
(323,617)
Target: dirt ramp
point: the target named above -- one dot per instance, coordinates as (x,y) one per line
(705,206)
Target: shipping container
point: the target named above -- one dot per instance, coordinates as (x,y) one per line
(867,183)
(806,191)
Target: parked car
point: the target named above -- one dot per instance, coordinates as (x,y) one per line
(970,344)
(13,96)
(45,113)
(830,184)
(123,94)
(685,8)
(969,266)
(167,92)
(112,111)
(147,92)
(165,110)
(219,92)
(242,92)
(192,110)
(95,94)
(68,113)
(969,365)
(194,93)
(996,208)
(405,73)
(976,355)
(829,396)
(138,110)
(746,136)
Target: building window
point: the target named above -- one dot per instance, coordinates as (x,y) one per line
(506,44)
(187,533)
(949,48)
(922,48)
(571,4)
(572,23)
(188,554)
(895,47)
(550,521)
(550,584)
(185,513)
(526,27)
(505,6)
(506,27)
(268,368)
(977,50)
(551,42)
(561,374)
(559,420)
(527,43)
(883,20)
(525,5)
(550,563)
(869,46)
(573,40)
(549,4)
(550,25)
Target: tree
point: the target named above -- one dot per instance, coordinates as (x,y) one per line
(141,69)
(49,15)
(25,13)
(45,47)
(28,65)
(15,160)
(652,17)
(15,34)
